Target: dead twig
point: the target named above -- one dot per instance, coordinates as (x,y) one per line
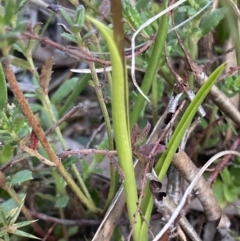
(224,223)
(78,54)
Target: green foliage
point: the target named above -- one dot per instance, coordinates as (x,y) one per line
(79,18)
(20,177)
(226,188)
(9,212)
(13,126)
(156,80)
(231,85)
(131,14)
(9,17)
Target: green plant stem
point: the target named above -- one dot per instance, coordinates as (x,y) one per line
(101,103)
(152,68)
(64,228)
(120,114)
(48,108)
(113,183)
(30,61)
(41,136)
(3,87)
(154,101)
(113,173)
(81,182)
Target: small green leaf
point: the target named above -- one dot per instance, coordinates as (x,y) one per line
(209,22)
(10,10)
(218,192)
(21,63)
(18,48)
(229,195)
(21,177)
(79,16)
(62,202)
(66,16)
(3,88)
(64,90)
(226,177)
(6,153)
(69,37)
(131,14)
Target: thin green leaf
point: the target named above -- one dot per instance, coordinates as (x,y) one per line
(24,223)
(3,88)
(172,146)
(66,16)
(64,90)
(166,157)
(14,214)
(2,217)
(24,234)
